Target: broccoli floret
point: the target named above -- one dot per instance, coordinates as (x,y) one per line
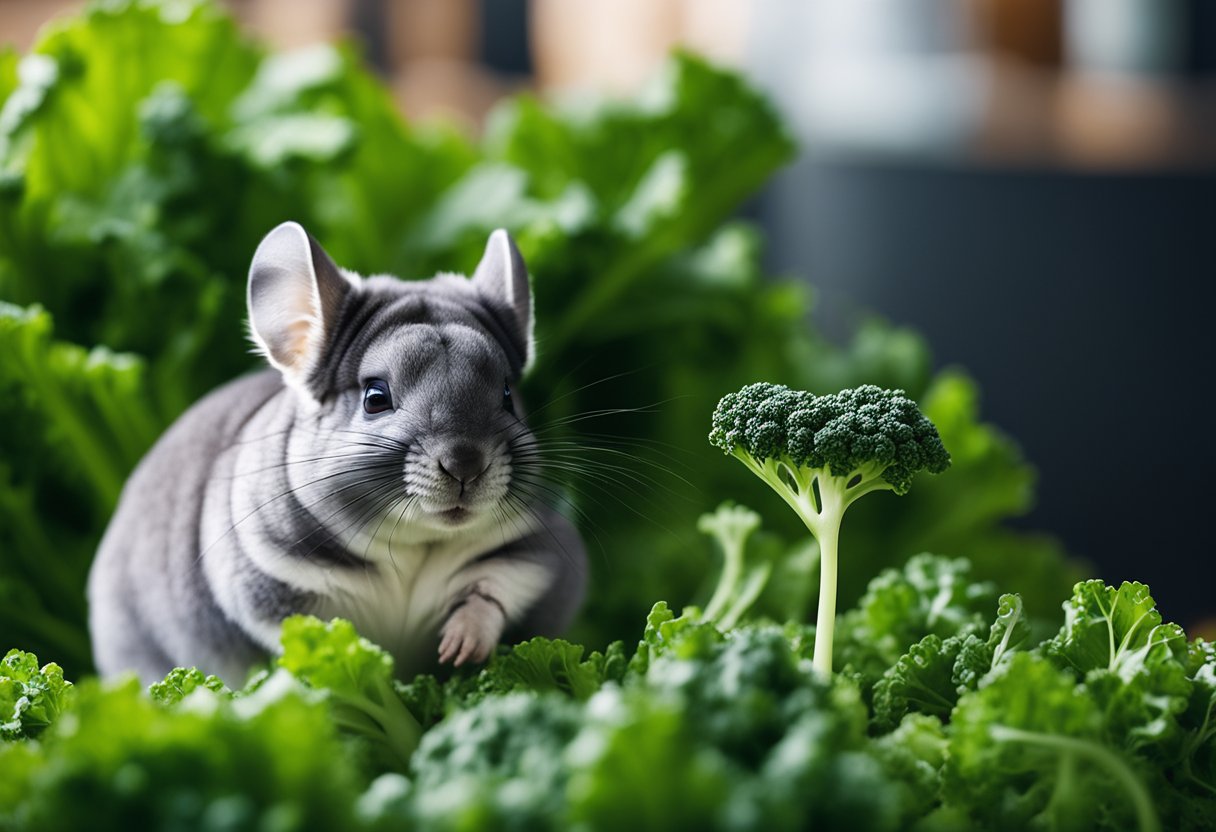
(822,453)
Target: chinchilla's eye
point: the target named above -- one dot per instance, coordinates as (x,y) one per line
(376,397)
(507,404)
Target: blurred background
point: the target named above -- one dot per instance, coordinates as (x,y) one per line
(1031,184)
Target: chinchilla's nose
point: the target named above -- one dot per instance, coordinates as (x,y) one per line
(462,462)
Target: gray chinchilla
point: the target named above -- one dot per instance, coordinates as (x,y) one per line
(377,473)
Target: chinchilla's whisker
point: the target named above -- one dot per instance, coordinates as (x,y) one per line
(535,488)
(336,535)
(587,465)
(565,422)
(373,457)
(522,509)
(378,438)
(614,444)
(385,513)
(613,495)
(322,523)
(407,506)
(506,514)
(294,551)
(534,491)
(579,416)
(587,386)
(292,490)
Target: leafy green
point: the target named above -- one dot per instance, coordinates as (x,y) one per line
(930,677)
(78,420)
(1135,665)
(121,761)
(497,764)
(181,682)
(1026,751)
(922,680)
(1119,630)
(724,733)
(930,596)
(357,678)
(543,664)
(971,727)
(913,756)
(31,697)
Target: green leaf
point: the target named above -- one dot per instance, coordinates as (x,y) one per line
(496,764)
(1200,718)
(543,664)
(638,764)
(1134,664)
(180,682)
(357,676)
(913,755)
(1114,629)
(1011,629)
(922,680)
(332,655)
(930,596)
(31,697)
(930,677)
(91,403)
(77,422)
(665,634)
(1026,751)
(267,761)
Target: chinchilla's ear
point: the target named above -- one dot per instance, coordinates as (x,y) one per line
(295,293)
(502,279)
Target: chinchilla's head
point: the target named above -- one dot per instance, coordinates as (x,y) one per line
(406,420)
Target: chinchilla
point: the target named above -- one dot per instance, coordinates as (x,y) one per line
(378,473)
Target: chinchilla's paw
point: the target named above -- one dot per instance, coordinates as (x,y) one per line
(471,632)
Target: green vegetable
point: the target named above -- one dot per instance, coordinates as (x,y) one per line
(933,673)
(497,764)
(31,698)
(543,664)
(1033,724)
(739,584)
(822,453)
(357,677)
(181,682)
(118,760)
(971,727)
(77,421)
(930,595)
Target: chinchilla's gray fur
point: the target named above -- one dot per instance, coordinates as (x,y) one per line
(279,494)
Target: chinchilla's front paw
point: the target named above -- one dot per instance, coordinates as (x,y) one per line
(471,632)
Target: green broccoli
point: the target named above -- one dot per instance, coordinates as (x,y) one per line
(821,453)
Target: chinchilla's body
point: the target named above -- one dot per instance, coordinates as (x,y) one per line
(379,473)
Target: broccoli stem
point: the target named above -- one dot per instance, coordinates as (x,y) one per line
(732,572)
(820,499)
(827,532)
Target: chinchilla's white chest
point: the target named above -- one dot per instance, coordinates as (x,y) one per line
(399,600)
